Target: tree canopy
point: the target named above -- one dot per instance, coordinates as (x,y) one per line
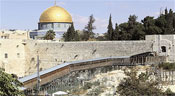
(9,85)
(88,30)
(110,29)
(134,30)
(50,35)
(71,34)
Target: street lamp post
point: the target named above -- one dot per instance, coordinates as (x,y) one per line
(38,76)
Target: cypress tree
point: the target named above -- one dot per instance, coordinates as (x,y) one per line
(110,29)
(71,34)
(166,11)
(66,35)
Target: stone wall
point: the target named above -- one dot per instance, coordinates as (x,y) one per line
(54,53)
(12,56)
(167,41)
(22,54)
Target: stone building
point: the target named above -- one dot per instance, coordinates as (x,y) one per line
(14,34)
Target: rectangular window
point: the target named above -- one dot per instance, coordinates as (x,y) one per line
(6,55)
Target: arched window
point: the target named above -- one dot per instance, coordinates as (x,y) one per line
(163,48)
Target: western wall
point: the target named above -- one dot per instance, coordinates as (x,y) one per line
(19,56)
(52,53)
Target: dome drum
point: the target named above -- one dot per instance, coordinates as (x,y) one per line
(54,26)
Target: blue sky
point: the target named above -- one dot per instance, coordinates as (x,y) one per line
(24,14)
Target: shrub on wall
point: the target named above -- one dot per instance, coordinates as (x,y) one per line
(167,66)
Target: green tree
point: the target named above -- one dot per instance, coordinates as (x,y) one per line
(140,85)
(131,30)
(174,23)
(88,30)
(50,35)
(135,29)
(138,33)
(150,27)
(169,25)
(71,34)
(9,85)
(166,22)
(85,36)
(76,36)
(161,23)
(110,29)
(123,33)
(166,11)
(116,35)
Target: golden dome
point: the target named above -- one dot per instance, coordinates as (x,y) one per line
(55,14)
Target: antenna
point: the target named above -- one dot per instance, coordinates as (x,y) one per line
(38,76)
